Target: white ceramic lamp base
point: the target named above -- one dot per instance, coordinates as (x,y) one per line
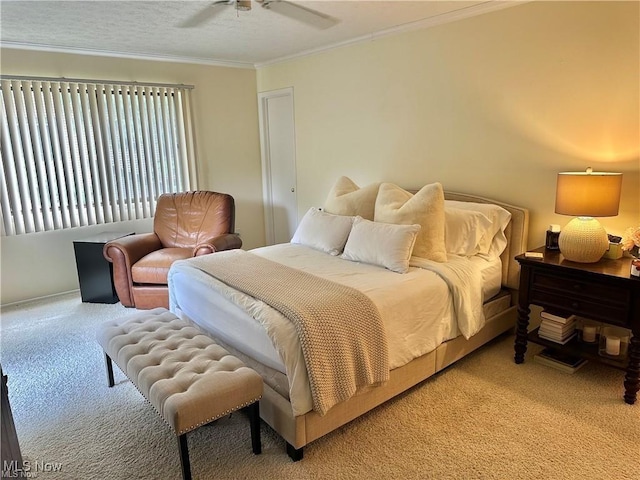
(583,240)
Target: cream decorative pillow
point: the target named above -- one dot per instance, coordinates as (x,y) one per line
(323,231)
(346,198)
(425,208)
(383,244)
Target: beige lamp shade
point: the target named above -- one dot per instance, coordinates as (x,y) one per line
(586,195)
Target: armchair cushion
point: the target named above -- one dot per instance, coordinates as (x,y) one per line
(132,247)
(154,267)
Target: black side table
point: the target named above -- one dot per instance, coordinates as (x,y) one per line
(95,273)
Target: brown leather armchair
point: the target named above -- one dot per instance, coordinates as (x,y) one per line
(185,225)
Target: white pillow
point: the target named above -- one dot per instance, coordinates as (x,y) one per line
(347,198)
(494,240)
(382,244)
(463,230)
(323,231)
(425,208)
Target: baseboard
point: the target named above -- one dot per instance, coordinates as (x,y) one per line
(37,299)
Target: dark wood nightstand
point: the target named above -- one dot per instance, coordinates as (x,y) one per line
(602,291)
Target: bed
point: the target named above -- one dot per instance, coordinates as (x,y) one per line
(421,311)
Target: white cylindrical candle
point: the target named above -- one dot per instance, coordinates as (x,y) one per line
(613,346)
(589,333)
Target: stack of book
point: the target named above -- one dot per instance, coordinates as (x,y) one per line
(560,360)
(557,328)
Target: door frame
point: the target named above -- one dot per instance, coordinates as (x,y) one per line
(267,197)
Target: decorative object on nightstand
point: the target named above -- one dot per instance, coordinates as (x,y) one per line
(553,234)
(557,328)
(635,268)
(559,360)
(631,243)
(615,249)
(588,330)
(614,342)
(586,195)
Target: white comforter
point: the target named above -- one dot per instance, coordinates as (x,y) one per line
(420,309)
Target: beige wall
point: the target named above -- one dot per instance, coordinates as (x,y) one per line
(494,105)
(226,119)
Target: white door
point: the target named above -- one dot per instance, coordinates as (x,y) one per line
(277,142)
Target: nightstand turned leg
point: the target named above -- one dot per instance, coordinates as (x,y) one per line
(632,378)
(522,329)
(522,326)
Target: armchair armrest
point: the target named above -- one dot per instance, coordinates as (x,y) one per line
(134,247)
(228,241)
(124,252)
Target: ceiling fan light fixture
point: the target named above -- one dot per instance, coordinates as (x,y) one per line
(283,7)
(243,5)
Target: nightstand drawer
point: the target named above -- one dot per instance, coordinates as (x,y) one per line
(589,308)
(569,286)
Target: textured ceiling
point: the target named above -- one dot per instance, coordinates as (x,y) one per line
(242,38)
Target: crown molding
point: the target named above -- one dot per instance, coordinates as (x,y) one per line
(472,11)
(130,56)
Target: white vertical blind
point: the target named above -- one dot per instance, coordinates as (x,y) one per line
(78,153)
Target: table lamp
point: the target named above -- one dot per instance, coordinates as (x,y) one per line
(586,195)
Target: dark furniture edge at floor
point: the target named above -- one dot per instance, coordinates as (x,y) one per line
(11,455)
(603,291)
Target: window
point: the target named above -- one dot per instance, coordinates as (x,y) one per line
(76,153)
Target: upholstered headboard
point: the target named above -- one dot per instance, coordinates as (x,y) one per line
(517,233)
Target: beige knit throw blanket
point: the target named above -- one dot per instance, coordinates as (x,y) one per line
(341,333)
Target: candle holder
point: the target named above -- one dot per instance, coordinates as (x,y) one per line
(588,331)
(614,342)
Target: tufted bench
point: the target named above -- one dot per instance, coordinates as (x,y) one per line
(188,378)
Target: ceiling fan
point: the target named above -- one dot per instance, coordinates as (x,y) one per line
(283,7)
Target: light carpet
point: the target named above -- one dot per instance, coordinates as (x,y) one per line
(483,418)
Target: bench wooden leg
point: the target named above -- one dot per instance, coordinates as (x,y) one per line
(254,421)
(109,365)
(183,448)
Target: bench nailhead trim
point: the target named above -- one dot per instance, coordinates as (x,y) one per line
(246,404)
(162,338)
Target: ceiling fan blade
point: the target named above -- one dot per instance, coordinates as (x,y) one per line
(298,12)
(206,14)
